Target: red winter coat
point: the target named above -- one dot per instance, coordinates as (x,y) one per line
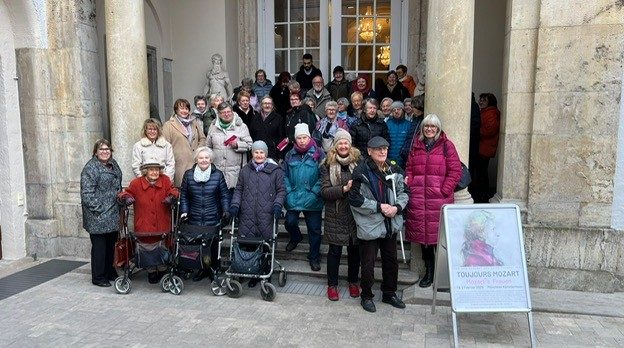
(151,215)
(488,133)
(431,177)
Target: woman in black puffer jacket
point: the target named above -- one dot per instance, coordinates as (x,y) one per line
(204,196)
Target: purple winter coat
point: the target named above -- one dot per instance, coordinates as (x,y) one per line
(255,194)
(432,178)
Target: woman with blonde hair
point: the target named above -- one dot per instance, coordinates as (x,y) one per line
(339,225)
(153,146)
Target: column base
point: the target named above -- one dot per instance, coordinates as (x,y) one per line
(463,197)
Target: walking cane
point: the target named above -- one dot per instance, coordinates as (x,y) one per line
(392,177)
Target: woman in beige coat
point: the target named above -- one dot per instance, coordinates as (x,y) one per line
(184,133)
(229,139)
(153,146)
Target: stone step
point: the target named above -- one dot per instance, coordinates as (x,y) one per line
(302,268)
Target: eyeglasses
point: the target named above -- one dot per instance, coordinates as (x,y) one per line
(430,126)
(104,149)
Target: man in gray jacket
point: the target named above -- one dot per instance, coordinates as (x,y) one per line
(377,212)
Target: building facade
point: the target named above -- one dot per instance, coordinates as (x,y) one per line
(72,71)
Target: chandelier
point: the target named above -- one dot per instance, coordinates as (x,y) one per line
(384,56)
(369,28)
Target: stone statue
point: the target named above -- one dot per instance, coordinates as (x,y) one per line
(218,79)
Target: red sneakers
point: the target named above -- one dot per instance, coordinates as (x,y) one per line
(332,293)
(354,290)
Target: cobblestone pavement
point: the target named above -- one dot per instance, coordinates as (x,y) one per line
(69,311)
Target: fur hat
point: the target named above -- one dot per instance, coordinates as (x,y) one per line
(302,129)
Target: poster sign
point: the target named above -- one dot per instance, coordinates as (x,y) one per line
(486,260)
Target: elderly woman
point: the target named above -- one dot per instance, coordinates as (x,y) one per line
(204,196)
(363,86)
(152,195)
(432,171)
(243,108)
(398,129)
(268,126)
(100,181)
(339,225)
(259,196)
(153,146)
(229,139)
(326,128)
(184,133)
(303,188)
(344,113)
(393,88)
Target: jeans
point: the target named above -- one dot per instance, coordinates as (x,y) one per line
(102,251)
(313,223)
(333,263)
(389,265)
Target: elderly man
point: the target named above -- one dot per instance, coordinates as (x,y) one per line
(320,95)
(377,198)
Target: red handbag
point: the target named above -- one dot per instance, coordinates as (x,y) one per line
(124,252)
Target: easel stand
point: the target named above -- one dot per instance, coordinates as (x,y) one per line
(482,298)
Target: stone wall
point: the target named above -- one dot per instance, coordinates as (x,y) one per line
(61,119)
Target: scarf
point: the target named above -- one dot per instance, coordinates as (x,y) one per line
(202,175)
(335,168)
(258,166)
(224,125)
(303,150)
(429,144)
(186,123)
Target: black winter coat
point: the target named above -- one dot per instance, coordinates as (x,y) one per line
(269,130)
(365,129)
(399,92)
(300,114)
(256,193)
(204,202)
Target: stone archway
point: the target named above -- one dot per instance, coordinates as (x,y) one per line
(12,190)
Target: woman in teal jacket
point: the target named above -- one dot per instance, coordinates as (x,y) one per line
(303,192)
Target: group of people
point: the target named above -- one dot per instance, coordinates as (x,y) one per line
(374,173)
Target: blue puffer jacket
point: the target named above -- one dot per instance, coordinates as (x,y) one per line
(398,130)
(302,180)
(204,202)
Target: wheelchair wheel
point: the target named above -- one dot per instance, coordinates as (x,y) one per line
(218,287)
(234,288)
(268,292)
(123,285)
(281,279)
(165,283)
(177,285)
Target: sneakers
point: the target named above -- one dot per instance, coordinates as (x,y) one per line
(368,305)
(332,293)
(393,300)
(354,290)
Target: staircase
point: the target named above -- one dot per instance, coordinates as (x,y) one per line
(296,262)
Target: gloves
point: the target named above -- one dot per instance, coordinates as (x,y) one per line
(277,211)
(125,199)
(234,211)
(168,200)
(226,216)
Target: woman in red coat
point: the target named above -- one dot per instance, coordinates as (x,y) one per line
(488,143)
(152,195)
(433,170)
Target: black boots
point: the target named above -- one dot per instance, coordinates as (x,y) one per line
(427,280)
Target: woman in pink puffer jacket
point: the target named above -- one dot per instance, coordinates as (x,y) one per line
(433,170)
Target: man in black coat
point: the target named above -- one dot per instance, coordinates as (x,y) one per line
(307,71)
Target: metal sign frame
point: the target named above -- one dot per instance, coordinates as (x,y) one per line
(446,261)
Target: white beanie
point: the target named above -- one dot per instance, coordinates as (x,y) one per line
(302,129)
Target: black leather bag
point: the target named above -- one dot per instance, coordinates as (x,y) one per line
(465,179)
(246,262)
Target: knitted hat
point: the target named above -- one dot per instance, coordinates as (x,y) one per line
(397,105)
(302,129)
(340,135)
(259,145)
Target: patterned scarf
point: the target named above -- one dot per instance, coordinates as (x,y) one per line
(303,150)
(335,168)
(187,122)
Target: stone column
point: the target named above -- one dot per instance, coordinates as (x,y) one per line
(247,38)
(127,77)
(450,41)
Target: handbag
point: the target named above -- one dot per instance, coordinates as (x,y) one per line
(246,262)
(124,252)
(465,179)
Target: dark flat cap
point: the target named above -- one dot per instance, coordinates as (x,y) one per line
(377,142)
